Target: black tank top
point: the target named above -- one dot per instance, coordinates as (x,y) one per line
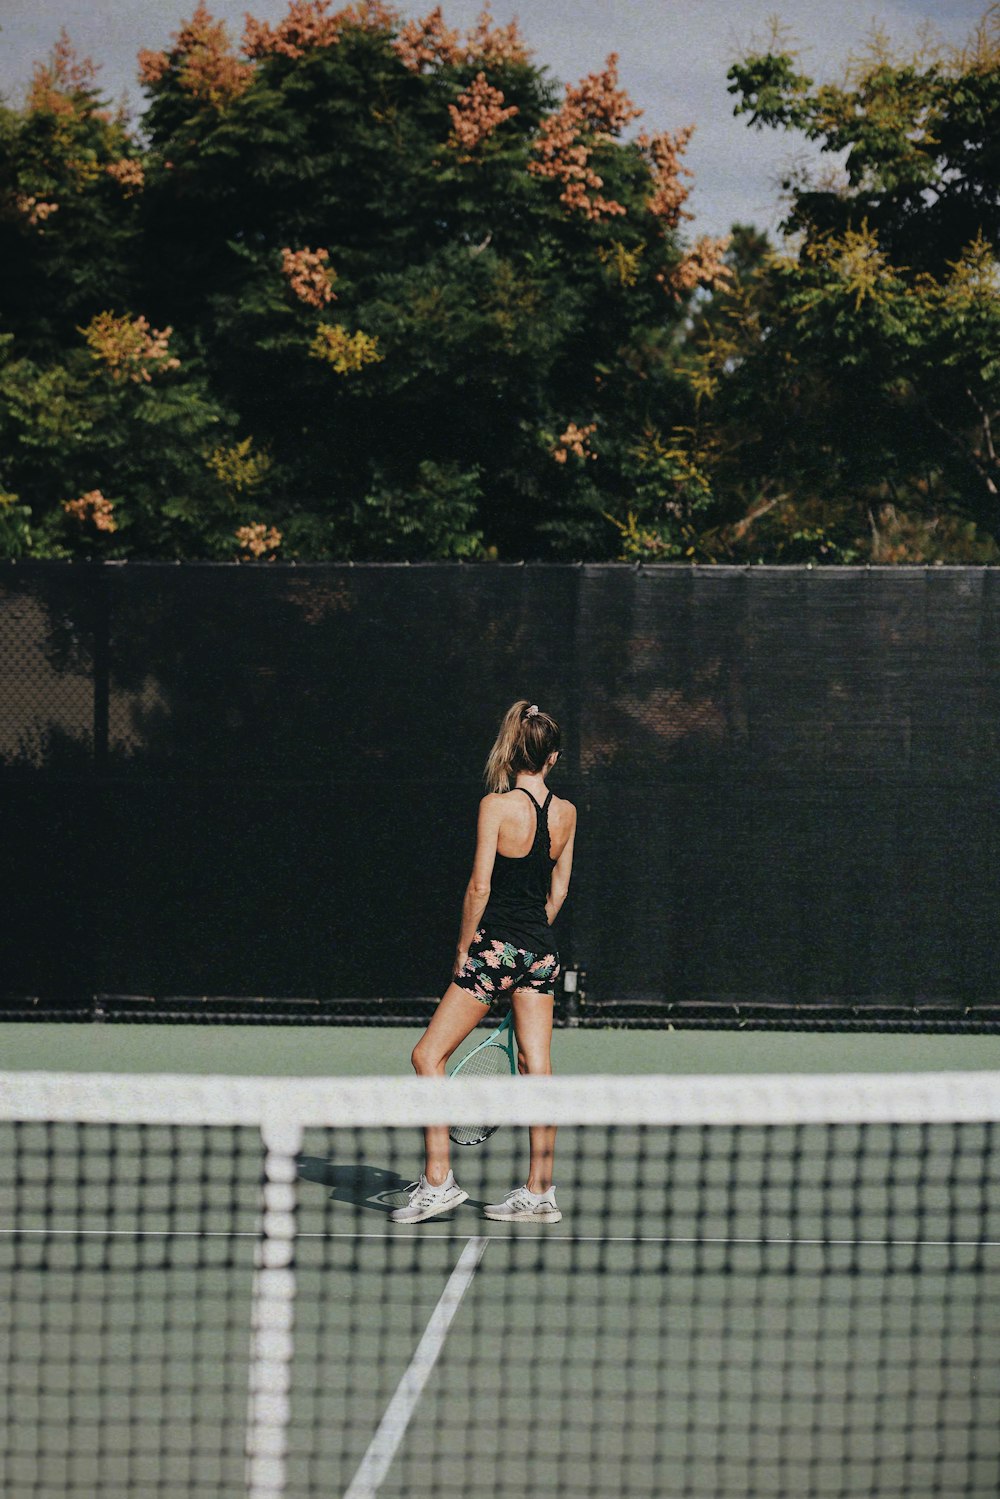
(515,911)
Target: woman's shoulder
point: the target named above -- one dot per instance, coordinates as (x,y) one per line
(562,809)
(493,801)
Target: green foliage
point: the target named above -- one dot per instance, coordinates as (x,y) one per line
(432,516)
(68,224)
(855,372)
(469,317)
(239,469)
(771,92)
(66,427)
(15,527)
(389,266)
(918,132)
(670,491)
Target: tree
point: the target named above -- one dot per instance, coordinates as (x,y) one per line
(361,288)
(853,375)
(366,287)
(70,176)
(106,436)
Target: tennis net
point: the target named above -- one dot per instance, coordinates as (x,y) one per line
(766,1286)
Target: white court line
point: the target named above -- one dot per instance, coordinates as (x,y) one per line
(392,1428)
(217,1233)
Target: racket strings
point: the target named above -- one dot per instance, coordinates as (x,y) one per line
(491,1060)
(488,1061)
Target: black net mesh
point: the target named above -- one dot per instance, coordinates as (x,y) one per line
(250,792)
(783,1311)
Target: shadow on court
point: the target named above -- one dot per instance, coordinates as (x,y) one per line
(374,1188)
(370,1187)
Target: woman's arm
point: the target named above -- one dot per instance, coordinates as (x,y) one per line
(561,871)
(480,882)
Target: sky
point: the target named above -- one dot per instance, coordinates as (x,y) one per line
(673,57)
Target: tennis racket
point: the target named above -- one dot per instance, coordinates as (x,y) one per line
(493,1057)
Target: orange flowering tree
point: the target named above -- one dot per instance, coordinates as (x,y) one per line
(68,214)
(105,411)
(360,283)
(386,288)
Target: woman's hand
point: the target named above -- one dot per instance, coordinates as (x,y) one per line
(460,961)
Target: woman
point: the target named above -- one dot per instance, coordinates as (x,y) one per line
(520,876)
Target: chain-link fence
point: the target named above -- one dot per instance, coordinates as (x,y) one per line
(251,790)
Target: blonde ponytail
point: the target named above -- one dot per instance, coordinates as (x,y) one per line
(526,739)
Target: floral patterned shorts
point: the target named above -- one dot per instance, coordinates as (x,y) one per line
(495,968)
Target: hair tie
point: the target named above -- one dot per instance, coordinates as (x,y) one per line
(530,713)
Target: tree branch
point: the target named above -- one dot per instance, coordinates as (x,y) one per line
(965,448)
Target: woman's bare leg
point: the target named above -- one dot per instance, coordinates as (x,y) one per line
(533,1024)
(457,1014)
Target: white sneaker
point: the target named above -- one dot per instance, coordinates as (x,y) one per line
(522,1206)
(427,1201)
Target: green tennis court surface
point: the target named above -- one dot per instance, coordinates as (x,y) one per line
(705,1356)
(733,1303)
(343,1051)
